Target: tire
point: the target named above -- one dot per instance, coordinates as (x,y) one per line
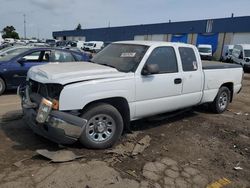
(104,127)
(222,100)
(2,86)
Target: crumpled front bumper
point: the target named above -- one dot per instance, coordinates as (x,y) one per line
(60,127)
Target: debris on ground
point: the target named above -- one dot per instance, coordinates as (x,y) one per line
(220,183)
(58,156)
(124,149)
(141,145)
(20,163)
(238,168)
(129,148)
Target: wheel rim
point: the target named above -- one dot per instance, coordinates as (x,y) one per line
(100,128)
(223,100)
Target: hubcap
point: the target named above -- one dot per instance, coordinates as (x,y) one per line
(1,86)
(100,128)
(223,100)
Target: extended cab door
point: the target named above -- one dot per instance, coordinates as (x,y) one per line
(193,77)
(160,92)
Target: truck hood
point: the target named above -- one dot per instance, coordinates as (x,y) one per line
(65,73)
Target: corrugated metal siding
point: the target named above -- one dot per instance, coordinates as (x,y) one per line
(237,24)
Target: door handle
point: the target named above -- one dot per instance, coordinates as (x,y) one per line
(177,80)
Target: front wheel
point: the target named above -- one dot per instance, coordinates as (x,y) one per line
(104,127)
(221,101)
(2,86)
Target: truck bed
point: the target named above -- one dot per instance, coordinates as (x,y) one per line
(218,65)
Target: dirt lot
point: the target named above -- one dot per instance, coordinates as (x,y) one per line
(193,149)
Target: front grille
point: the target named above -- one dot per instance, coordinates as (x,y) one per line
(48,91)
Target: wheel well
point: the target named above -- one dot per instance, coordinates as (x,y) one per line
(3,80)
(121,104)
(230,86)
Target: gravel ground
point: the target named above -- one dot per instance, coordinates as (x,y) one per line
(193,149)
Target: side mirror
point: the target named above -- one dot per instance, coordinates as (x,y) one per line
(247,60)
(21,61)
(150,69)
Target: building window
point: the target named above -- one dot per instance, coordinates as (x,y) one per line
(209,27)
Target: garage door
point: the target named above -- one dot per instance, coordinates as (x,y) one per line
(139,37)
(211,39)
(179,38)
(157,37)
(241,38)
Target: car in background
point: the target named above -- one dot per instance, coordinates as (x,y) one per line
(14,66)
(79,44)
(11,50)
(205,51)
(241,55)
(227,53)
(51,42)
(93,46)
(1,39)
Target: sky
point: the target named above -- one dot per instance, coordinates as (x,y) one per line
(45,16)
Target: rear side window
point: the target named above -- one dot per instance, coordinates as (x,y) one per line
(61,56)
(165,58)
(188,59)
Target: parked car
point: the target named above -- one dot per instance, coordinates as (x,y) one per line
(205,51)
(80,44)
(94,102)
(93,46)
(1,39)
(51,42)
(241,55)
(9,40)
(11,50)
(15,65)
(227,53)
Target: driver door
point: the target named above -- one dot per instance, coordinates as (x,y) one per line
(159,93)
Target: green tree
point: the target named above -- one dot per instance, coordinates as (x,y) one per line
(10,32)
(79,27)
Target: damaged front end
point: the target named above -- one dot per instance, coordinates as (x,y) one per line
(40,104)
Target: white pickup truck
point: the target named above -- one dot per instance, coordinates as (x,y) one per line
(94,102)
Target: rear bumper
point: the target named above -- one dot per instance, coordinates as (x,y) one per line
(59,127)
(206,57)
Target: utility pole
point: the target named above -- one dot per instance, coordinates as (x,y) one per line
(24,25)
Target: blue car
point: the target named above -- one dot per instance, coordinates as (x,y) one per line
(15,65)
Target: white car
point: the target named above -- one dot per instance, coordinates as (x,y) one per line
(93,46)
(227,53)
(241,55)
(205,51)
(94,102)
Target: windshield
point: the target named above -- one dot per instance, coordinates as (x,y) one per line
(90,44)
(247,53)
(13,53)
(123,57)
(205,50)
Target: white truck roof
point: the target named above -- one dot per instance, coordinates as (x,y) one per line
(204,46)
(154,43)
(245,46)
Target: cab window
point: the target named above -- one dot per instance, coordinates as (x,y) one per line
(165,58)
(188,59)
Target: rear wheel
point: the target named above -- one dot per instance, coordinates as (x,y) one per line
(2,86)
(104,127)
(221,101)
